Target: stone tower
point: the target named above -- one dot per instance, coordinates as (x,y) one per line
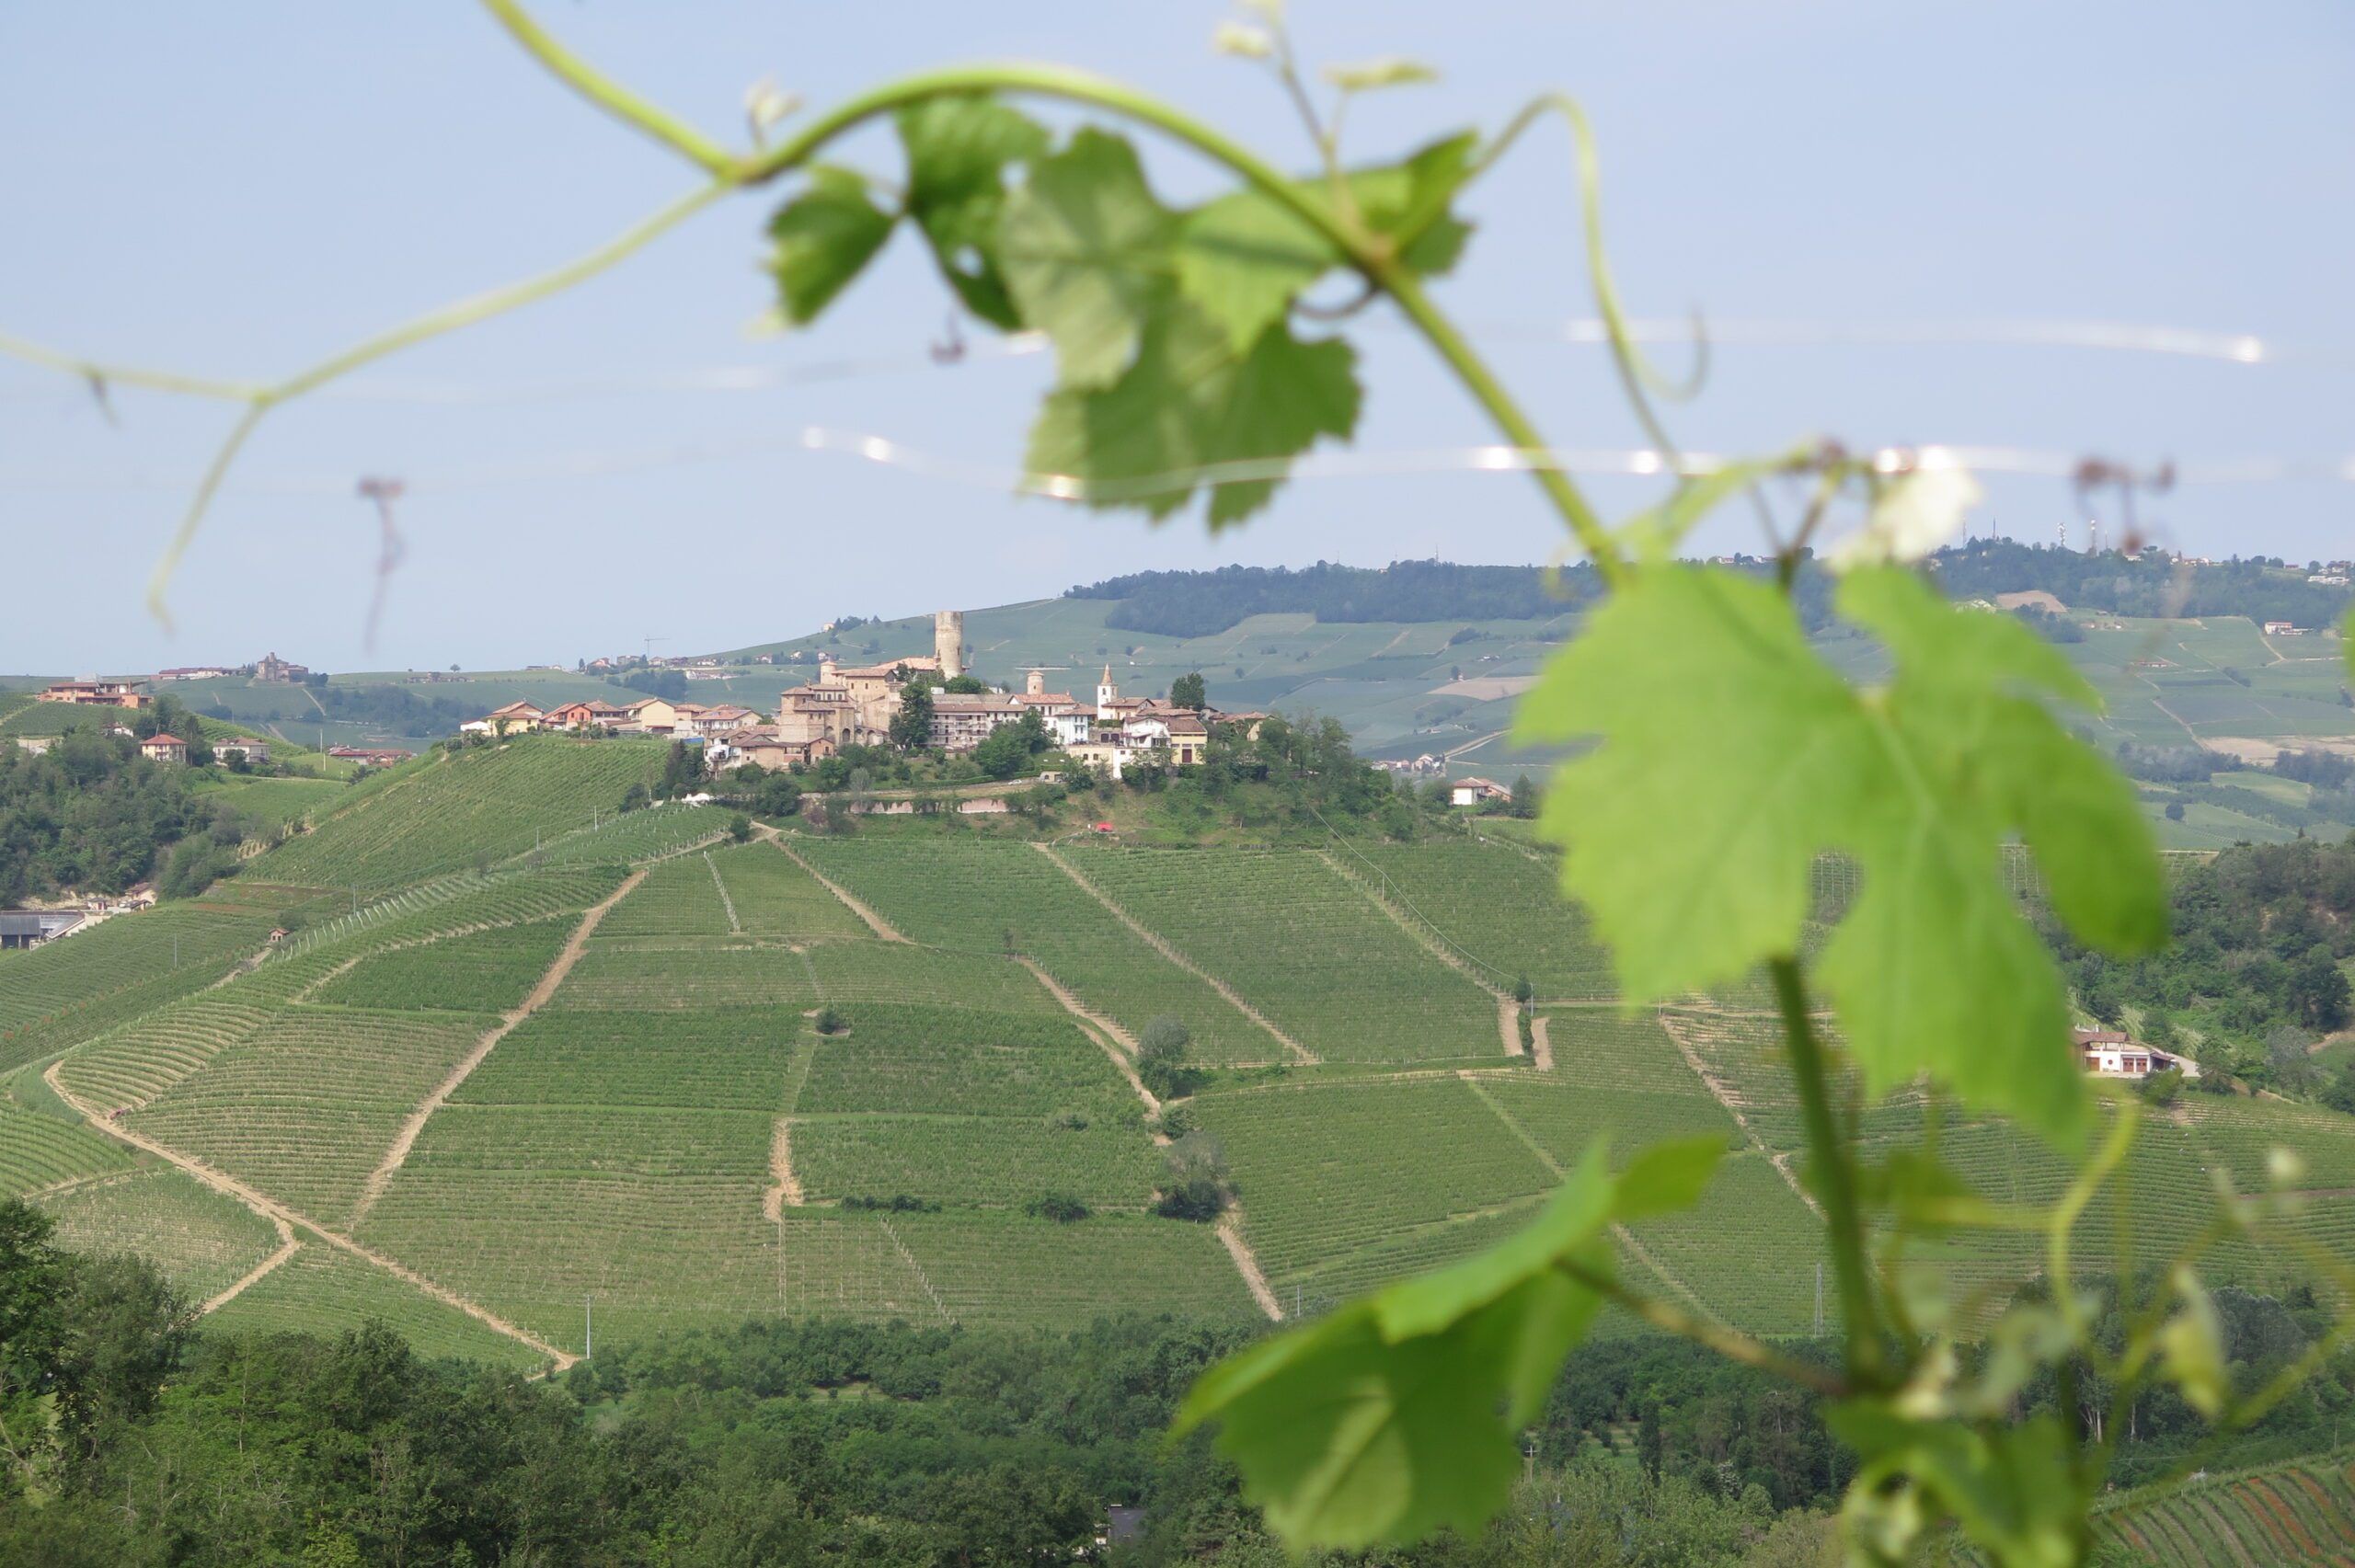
(948,641)
(1036,683)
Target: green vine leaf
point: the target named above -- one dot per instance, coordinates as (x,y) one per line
(824,237)
(959,150)
(1188,403)
(1086,249)
(1732,756)
(1245,258)
(1398,1417)
(2011,1488)
(2191,1348)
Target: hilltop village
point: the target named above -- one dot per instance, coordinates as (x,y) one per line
(924,701)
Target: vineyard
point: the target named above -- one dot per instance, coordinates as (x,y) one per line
(990,897)
(2291,1515)
(1304,946)
(666,1137)
(474,808)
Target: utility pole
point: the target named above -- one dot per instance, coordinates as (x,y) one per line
(1819,1298)
(588,1327)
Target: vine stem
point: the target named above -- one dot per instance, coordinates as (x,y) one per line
(1835,1177)
(609,95)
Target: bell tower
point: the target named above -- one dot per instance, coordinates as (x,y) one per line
(1105,693)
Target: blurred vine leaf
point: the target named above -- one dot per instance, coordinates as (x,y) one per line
(2011,1487)
(824,237)
(1732,756)
(1399,1414)
(959,151)
(1174,344)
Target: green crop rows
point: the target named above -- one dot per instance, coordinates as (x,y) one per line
(1007,1268)
(850,972)
(1749,1250)
(203,1240)
(679,898)
(640,976)
(980,897)
(636,835)
(773,897)
(323,1290)
(304,1104)
(1502,906)
(2295,1514)
(472,808)
(957,1061)
(482,971)
(1298,940)
(38,1149)
(1327,1169)
(734,1057)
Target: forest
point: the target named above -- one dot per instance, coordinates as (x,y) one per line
(134,1436)
(91,814)
(2255,969)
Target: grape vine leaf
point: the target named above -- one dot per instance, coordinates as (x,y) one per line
(1732,756)
(1246,256)
(824,237)
(1398,1416)
(1187,402)
(959,150)
(2011,1487)
(1085,247)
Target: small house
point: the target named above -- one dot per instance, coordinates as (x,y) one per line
(162,747)
(2281,629)
(1476,791)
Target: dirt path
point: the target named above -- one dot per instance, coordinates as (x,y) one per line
(1542,1043)
(1230,1234)
(403,1142)
(1508,1020)
(1103,1031)
(788,1190)
(1619,1233)
(271,1208)
(286,1247)
(735,926)
(1732,1103)
(1160,944)
(875,922)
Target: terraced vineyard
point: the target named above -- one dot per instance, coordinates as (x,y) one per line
(2301,1513)
(1306,947)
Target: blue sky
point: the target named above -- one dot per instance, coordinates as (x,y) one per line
(240,188)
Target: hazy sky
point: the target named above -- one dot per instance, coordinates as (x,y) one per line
(238,188)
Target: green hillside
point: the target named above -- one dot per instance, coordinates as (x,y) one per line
(510,1062)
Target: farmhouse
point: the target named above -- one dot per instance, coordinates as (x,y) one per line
(30,928)
(250,748)
(1473,791)
(194,672)
(2112,1053)
(2282,629)
(506,720)
(162,747)
(115,692)
(373,757)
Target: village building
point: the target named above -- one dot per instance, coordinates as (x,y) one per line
(162,747)
(286,673)
(371,757)
(653,716)
(2282,629)
(114,692)
(194,672)
(724,719)
(593,713)
(761,745)
(514,719)
(251,747)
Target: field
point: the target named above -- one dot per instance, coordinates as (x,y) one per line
(1501,907)
(2300,1513)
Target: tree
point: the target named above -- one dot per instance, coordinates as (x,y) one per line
(2174,810)
(740,828)
(1186,691)
(1161,1058)
(1194,1185)
(778,794)
(1002,754)
(911,727)
(682,771)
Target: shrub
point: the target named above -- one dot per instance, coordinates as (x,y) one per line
(830,1021)
(740,828)
(1161,1059)
(1061,1208)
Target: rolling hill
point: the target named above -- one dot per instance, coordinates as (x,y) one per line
(521,1061)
